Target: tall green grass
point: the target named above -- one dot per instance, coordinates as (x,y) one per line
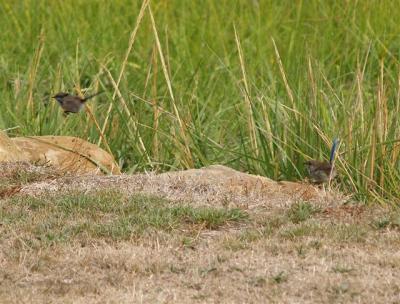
(256,85)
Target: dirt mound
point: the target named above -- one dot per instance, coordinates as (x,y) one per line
(213,185)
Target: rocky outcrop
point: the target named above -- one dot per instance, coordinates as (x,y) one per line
(64,153)
(214,185)
(9,151)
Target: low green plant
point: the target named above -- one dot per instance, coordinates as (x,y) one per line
(301,211)
(108,215)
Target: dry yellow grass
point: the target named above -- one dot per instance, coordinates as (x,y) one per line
(307,252)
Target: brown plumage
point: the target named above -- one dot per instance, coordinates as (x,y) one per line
(323,171)
(70,103)
(320,172)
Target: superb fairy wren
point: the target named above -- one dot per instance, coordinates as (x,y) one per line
(70,103)
(323,171)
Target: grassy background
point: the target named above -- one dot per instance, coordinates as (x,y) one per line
(256,85)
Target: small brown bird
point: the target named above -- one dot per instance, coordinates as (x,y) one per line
(70,103)
(322,171)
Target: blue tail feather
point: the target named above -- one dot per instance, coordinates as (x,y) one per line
(333,150)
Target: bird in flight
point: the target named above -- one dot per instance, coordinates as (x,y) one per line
(71,103)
